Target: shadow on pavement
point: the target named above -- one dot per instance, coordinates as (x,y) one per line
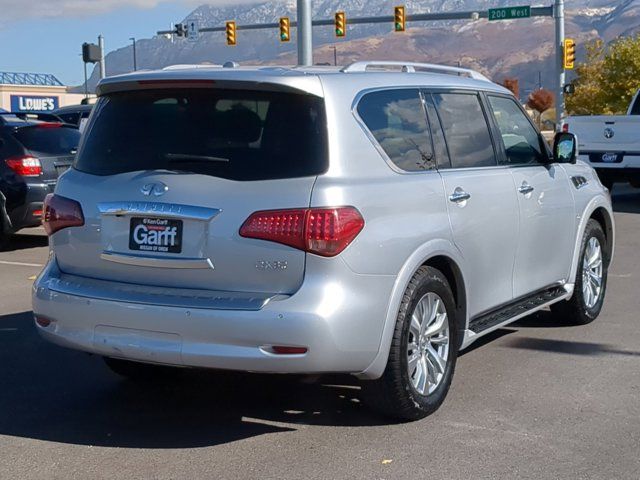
(570,348)
(50,393)
(24,241)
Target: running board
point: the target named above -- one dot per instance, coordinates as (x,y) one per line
(519,308)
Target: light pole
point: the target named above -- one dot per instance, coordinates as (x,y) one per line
(558,13)
(135,61)
(335,55)
(305,42)
(103,67)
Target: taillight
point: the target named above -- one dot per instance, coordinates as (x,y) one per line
(565,127)
(61,212)
(323,231)
(25,165)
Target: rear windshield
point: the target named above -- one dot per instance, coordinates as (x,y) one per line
(48,139)
(233,134)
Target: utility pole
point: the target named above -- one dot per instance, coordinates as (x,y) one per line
(335,55)
(558,14)
(539,80)
(135,61)
(102,65)
(86,87)
(305,33)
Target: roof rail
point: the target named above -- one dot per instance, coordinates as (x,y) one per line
(186,66)
(411,67)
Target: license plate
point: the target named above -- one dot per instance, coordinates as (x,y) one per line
(606,157)
(151,234)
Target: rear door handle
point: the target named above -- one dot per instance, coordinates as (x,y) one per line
(525,188)
(459,196)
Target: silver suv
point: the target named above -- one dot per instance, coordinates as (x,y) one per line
(371,220)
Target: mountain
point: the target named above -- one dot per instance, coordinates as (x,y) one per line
(520,48)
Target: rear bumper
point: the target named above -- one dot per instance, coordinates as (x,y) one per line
(24,215)
(628,169)
(619,174)
(340,323)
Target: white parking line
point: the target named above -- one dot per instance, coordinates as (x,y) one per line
(21,264)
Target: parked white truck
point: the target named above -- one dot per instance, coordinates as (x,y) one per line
(610,144)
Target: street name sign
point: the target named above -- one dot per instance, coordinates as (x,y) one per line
(509,13)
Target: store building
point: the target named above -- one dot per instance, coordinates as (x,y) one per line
(34,92)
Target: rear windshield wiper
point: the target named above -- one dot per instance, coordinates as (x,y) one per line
(186,157)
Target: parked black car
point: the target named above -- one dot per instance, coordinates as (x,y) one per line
(34,150)
(74,114)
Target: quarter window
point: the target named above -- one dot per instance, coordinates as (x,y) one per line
(465,129)
(397,120)
(521,141)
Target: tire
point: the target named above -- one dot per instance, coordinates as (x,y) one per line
(581,309)
(139,371)
(4,237)
(607,183)
(399,393)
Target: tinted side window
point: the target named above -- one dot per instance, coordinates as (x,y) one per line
(466,130)
(439,143)
(635,109)
(397,120)
(521,140)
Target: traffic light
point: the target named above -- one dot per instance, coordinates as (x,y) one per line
(399,22)
(180,31)
(341,24)
(285,34)
(231,34)
(569,60)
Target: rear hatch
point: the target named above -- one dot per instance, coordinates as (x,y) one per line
(54,144)
(166,178)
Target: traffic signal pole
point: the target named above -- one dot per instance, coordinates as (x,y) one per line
(305,33)
(558,14)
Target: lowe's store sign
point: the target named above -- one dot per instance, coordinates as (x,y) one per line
(34,103)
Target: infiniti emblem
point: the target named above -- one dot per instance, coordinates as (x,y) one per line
(609,133)
(156,189)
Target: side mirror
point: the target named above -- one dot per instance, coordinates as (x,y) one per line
(565,148)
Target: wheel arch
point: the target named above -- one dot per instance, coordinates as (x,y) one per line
(600,210)
(440,254)
(603,217)
(451,270)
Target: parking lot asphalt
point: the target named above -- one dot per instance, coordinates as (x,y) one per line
(534,400)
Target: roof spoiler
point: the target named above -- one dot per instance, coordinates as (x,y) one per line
(26,116)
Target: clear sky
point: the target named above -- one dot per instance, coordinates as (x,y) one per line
(46,36)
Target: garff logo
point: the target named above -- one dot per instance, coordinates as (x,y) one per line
(155,189)
(155,235)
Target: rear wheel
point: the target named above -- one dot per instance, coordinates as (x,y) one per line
(4,236)
(423,351)
(591,280)
(139,371)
